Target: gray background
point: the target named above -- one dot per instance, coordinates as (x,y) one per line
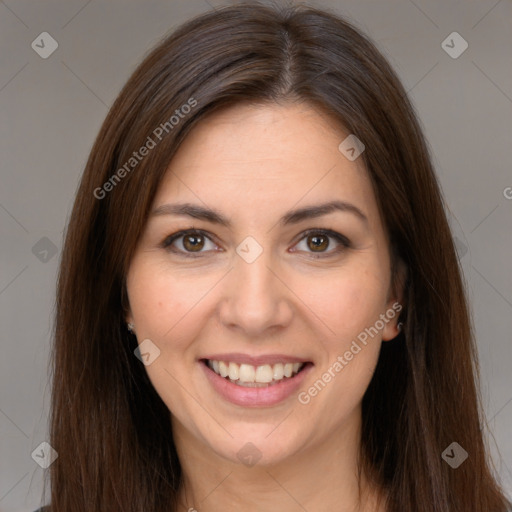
(51,110)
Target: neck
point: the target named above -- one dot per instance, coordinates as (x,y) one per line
(321,476)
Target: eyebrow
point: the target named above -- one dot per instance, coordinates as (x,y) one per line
(291,217)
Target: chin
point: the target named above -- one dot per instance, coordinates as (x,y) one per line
(262,445)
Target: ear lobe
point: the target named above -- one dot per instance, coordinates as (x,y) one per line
(125,304)
(399,280)
(392,328)
(127,312)
(396,304)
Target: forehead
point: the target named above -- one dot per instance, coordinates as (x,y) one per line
(266,158)
(243,135)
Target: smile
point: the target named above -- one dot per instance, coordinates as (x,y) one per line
(255,381)
(249,375)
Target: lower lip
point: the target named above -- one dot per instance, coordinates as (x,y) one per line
(255,397)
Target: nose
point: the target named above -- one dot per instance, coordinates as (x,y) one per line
(256,299)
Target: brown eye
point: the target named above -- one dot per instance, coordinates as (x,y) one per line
(318,243)
(193,243)
(315,242)
(189,243)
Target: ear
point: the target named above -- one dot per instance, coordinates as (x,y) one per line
(125,305)
(395,303)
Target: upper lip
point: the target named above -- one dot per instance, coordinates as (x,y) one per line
(270,359)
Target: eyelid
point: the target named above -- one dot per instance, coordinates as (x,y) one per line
(338,237)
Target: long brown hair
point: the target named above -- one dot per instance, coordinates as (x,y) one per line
(110,428)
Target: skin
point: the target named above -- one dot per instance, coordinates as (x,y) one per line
(254,164)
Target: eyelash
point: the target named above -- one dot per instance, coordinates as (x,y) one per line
(342,240)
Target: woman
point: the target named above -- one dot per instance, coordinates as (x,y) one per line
(259,213)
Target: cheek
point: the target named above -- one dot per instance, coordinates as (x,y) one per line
(347,301)
(352,305)
(161,301)
(167,309)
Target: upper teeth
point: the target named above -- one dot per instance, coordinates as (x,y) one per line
(249,373)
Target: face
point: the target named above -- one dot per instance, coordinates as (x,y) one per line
(260,310)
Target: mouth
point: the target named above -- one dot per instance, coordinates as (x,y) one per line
(255,382)
(250,376)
